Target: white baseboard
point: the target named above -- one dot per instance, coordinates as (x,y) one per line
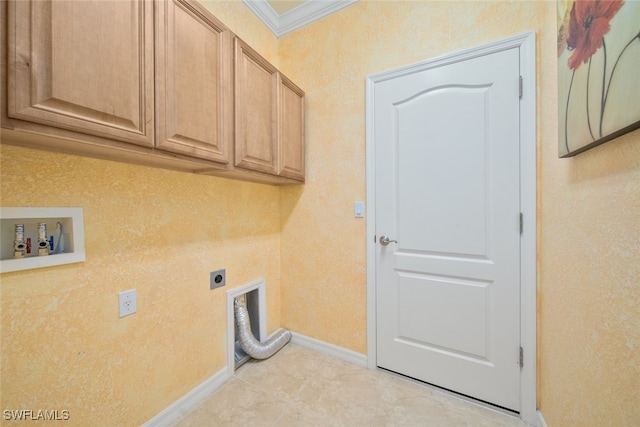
(186,403)
(541,421)
(330,349)
(178,409)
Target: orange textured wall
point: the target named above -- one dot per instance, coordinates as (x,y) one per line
(588,211)
(324,285)
(160,232)
(64,347)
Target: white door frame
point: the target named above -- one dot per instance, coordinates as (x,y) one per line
(526,42)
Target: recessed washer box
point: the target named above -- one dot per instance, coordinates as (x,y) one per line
(72,232)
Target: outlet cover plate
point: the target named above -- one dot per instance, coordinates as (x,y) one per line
(218,279)
(127,302)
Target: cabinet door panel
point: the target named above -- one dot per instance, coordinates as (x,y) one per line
(83,65)
(256,87)
(194,82)
(291,142)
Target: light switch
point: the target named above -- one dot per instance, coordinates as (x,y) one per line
(358,210)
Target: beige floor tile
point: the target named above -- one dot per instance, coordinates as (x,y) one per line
(284,375)
(302,387)
(417,410)
(482,417)
(237,403)
(474,413)
(294,416)
(342,395)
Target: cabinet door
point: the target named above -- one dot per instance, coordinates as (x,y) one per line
(291,130)
(256,88)
(194,106)
(83,65)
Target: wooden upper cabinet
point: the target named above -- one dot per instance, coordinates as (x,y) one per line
(291,130)
(62,72)
(269,114)
(155,82)
(256,115)
(194,66)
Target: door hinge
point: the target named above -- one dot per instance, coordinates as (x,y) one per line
(520,88)
(521,360)
(521,223)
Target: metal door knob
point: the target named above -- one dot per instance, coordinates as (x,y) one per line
(384,240)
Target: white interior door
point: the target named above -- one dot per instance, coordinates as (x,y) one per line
(446,143)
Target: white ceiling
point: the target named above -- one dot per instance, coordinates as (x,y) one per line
(285,16)
(282,6)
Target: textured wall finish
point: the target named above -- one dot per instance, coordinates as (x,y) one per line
(245,25)
(63,346)
(331,60)
(589,274)
(589,225)
(160,232)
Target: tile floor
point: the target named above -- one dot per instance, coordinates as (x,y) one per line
(302,387)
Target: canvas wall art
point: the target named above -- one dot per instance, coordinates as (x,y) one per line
(598,72)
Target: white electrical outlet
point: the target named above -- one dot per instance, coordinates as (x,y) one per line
(127,302)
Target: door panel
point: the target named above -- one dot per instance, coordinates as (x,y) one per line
(256,88)
(193,81)
(428,302)
(457,226)
(291,124)
(83,65)
(447,189)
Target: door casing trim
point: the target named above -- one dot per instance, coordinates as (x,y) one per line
(526,42)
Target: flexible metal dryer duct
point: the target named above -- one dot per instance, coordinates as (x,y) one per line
(253,347)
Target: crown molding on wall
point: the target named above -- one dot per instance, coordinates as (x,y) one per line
(308,12)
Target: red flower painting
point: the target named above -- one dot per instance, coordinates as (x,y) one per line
(585,30)
(588,24)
